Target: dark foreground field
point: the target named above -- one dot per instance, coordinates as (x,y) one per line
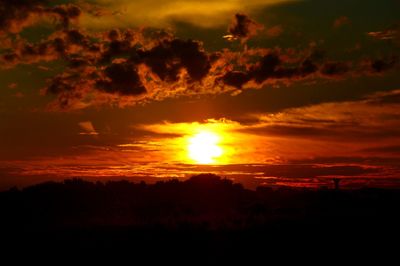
(204,220)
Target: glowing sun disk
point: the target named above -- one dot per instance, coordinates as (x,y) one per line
(203,147)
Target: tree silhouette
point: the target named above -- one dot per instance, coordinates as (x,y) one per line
(336,182)
(205,212)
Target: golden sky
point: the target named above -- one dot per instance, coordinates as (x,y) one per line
(263,92)
(161,13)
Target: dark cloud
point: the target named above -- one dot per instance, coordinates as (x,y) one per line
(76,48)
(122,79)
(385,149)
(69,89)
(66,13)
(156,65)
(243,28)
(15,15)
(120,43)
(77,62)
(59,84)
(335,69)
(382,64)
(270,67)
(169,57)
(266,68)
(276,66)
(236,79)
(169,61)
(307,67)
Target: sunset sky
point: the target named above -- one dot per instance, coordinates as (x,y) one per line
(266,92)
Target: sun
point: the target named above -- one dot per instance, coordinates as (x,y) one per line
(203,147)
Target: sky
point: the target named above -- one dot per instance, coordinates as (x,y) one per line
(274,92)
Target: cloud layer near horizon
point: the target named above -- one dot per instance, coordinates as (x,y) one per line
(353,132)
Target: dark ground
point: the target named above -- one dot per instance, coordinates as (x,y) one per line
(205,220)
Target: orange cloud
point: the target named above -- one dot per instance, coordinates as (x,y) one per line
(127,67)
(88,128)
(17,15)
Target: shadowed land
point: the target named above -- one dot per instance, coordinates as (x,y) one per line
(205,217)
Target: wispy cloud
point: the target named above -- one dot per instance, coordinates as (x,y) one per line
(161,13)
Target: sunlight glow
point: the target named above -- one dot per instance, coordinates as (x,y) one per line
(203,147)
(210,142)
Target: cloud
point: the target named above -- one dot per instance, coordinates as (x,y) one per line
(158,71)
(126,67)
(385,98)
(313,171)
(384,149)
(370,118)
(315,142)
(269,69)
(168,58)
(390,35)
(293,171)
(243,28)
(17,15)
(318,141)
(335,69)
(385,35)
(66,13)
(374,160)
(121,78)
(236,79)
(63,44)
(381,65)
(341,22)
(88,128)
(274,31)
